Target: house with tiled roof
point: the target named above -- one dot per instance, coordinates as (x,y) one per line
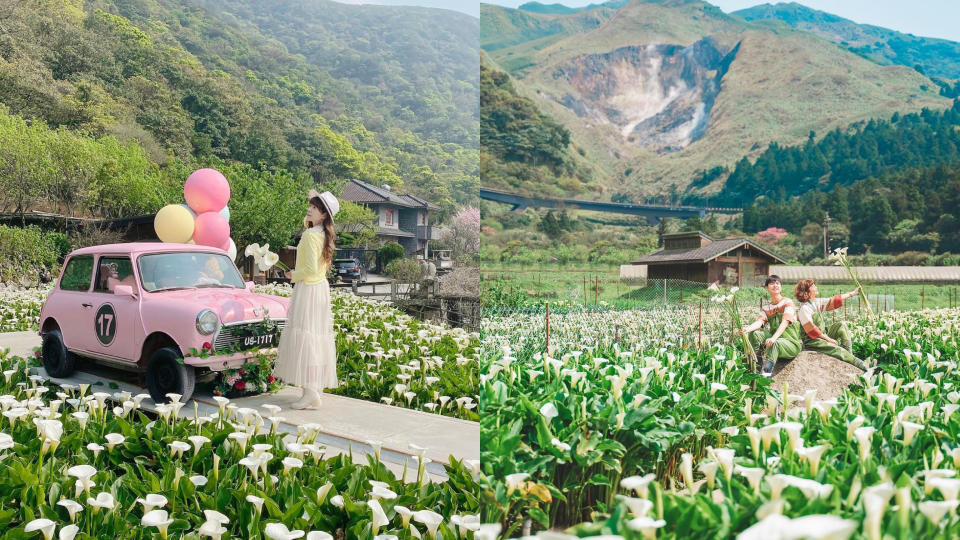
(694,256)
(402,218)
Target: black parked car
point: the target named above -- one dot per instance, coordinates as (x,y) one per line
(349,270)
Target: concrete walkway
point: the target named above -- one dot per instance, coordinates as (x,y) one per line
(347,423)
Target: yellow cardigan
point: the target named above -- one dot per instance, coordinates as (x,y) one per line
(310,268)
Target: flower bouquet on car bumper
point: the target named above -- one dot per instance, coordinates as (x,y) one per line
(253,378)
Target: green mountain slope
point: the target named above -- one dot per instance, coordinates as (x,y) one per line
(416,66)
(937,57)
(664,90)
(502,28)
(196,83)
(523,150)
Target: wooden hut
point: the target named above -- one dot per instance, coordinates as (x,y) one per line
(694,256)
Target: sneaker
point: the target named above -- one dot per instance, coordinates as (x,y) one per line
(767,370)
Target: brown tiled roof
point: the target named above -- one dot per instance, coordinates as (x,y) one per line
(361,192)
(417,201)
(702,254)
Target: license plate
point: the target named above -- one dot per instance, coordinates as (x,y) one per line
(258,341)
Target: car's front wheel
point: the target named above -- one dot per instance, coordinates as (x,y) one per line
(166,374)
(57,360)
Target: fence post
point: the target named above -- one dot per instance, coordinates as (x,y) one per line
(585,290)
(664,291)
(922,295)
(596,291)
(353,285)
(700,327)
(548,328)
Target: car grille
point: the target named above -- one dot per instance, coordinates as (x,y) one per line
(226,339)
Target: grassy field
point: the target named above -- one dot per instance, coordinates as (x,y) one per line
(600,285)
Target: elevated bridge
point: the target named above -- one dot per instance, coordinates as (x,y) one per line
(652,212)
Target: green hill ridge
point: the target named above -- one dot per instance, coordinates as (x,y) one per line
(774,84)
(364,94)
(933,56)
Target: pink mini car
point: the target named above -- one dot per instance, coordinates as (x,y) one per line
(175,311)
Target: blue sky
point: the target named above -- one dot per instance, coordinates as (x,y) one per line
(930,18)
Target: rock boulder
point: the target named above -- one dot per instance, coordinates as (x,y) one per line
(813,370)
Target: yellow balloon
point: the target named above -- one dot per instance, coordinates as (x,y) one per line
(173,223)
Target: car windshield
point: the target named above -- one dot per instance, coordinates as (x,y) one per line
(188,270)
(348,262)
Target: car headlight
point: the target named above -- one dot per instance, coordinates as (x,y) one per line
(207,322)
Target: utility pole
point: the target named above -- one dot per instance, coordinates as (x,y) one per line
(826,225)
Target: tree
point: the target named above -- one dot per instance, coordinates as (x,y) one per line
(771,236)
(462,235)
(388,253)
(355,225)
(549,225)
(265,206)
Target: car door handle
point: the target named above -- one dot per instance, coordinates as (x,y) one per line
(87,305)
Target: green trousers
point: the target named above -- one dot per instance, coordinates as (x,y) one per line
(839,332)
(782,347)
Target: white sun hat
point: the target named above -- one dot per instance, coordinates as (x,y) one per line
(329,201)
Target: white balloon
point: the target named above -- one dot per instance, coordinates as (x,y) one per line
(232,251)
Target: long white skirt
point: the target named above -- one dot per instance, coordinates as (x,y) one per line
(307,355)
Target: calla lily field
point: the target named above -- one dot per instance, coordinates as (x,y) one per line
(384,355)
(80,465)
(648,424)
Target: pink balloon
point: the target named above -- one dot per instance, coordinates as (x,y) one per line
(226,245)
(206,190)
(211,229)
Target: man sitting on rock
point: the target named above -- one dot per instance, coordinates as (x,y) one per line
(781,339)
(835,341)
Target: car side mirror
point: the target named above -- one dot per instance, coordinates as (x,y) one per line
(249,285)
(123,290)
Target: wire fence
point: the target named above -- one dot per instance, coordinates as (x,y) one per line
(565,290)
(693,323)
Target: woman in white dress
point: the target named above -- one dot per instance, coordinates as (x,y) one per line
(307,354)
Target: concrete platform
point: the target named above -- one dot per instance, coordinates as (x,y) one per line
(347,423)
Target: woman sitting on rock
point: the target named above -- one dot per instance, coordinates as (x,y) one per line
(811,319)
(781,339)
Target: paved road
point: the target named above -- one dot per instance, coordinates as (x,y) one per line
(347,422)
